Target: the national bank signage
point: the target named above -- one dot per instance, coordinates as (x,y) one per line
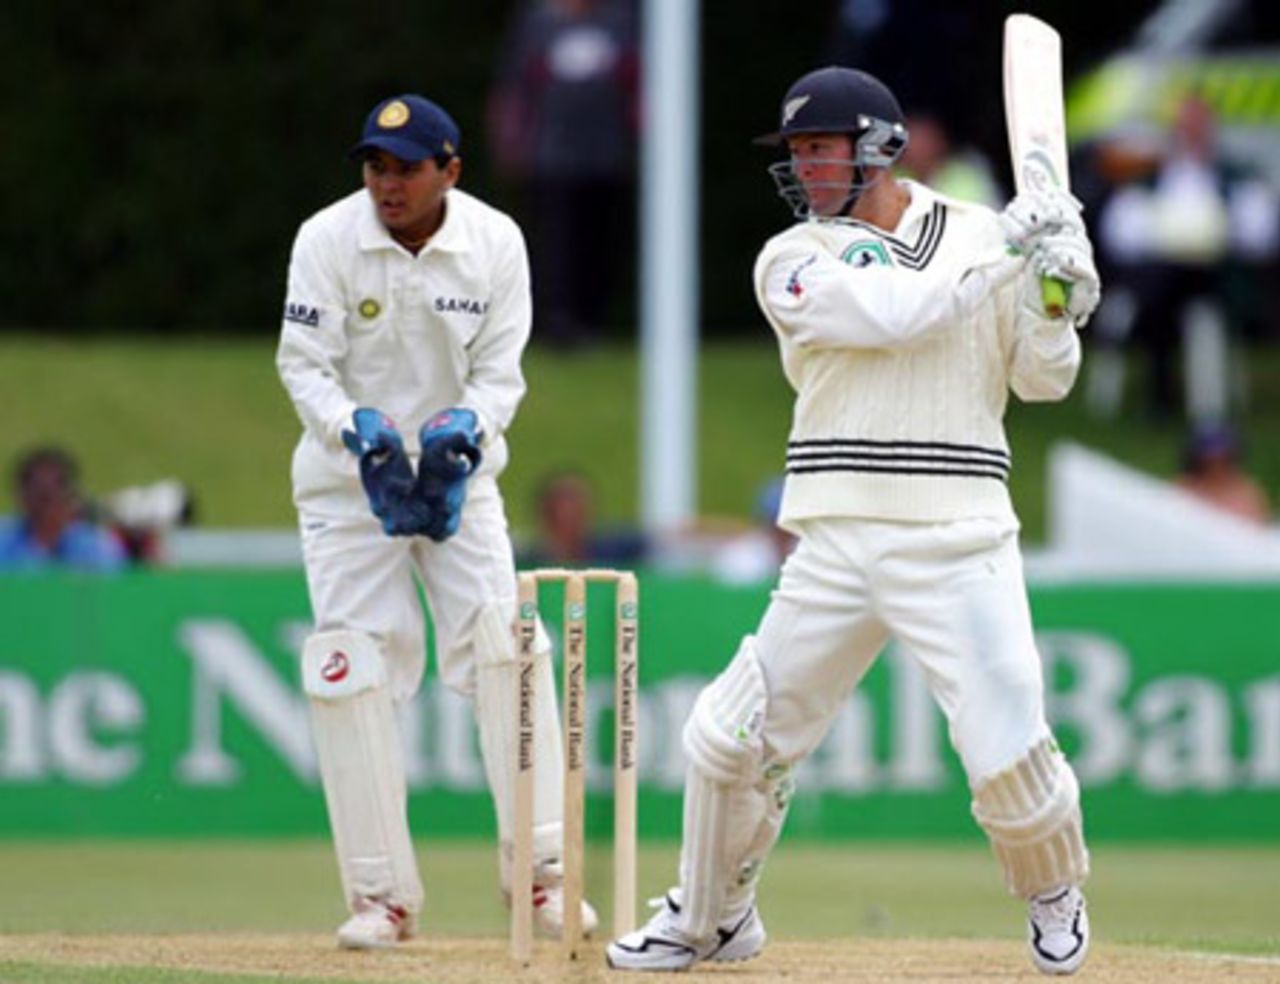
(168,703)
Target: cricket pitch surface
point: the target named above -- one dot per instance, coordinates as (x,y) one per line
(454,960)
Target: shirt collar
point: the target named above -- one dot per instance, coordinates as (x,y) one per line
(917,210)
(921,204)
(451,237)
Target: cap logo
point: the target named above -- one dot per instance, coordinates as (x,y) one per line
(448,146)
(394,114)
(792,107)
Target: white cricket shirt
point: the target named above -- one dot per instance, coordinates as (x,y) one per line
(368,324)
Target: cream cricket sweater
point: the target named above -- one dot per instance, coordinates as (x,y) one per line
(902,348)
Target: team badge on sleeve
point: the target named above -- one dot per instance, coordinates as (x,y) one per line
(794,287)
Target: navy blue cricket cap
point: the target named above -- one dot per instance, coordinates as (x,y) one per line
(409,127)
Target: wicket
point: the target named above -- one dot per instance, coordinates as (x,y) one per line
(626,656)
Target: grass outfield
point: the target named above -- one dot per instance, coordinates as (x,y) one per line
(1190,898)
(1208,900)
(213,414)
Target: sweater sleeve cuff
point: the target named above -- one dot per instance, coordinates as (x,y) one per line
(340,421)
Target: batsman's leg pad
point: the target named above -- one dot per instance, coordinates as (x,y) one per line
(497,721)
(361,760)
(724,805)
(1031,813)
(771,804)
(722,737)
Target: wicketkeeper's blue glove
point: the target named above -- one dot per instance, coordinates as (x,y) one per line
(450,454)
(451,443)
(386,474)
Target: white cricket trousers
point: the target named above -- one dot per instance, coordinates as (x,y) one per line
(952,595)
(360,578)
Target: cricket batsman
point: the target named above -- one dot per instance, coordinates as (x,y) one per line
(904,318)
(406,316)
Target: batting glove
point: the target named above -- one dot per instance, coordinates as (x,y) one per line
(1034,214)
(1068,256)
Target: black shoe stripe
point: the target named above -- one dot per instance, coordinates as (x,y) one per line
(1036,936)
(727,935)
(672,945)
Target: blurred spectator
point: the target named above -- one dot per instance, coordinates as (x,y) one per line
(562,123)
(142,516)
(757,554)
(567,531)
(932,159)
(1183,235)
(1212,471)
(52,529)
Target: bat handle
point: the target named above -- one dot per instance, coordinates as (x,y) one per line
(1053,295)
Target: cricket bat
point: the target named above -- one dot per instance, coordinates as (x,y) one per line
(1036,120)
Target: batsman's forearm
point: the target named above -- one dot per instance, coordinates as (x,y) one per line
(322,404)
(1045,359)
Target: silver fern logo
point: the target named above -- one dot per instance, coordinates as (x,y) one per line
(792,107)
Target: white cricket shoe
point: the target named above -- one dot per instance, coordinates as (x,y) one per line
(548,905)
(548,912)
(659,945)
(376,925)
(1058,930)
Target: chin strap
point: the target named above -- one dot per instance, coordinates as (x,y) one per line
(857,187)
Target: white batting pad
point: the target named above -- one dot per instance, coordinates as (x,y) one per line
(725,806)
(362,768)
(747,862)
(722,737)
(497,721)
(1031,813)
(704,864)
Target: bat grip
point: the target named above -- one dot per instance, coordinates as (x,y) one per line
(1053,295)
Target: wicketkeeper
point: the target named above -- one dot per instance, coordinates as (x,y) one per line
(904,318)
(407,313)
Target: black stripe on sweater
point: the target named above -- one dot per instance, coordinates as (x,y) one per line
(855,444)
(854,466)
